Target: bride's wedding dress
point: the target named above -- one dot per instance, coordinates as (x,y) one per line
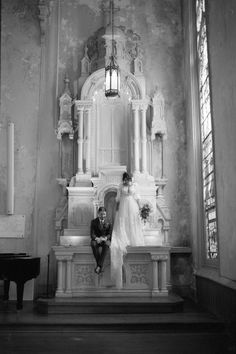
(127,230)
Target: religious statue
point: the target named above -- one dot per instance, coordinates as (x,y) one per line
(158,121)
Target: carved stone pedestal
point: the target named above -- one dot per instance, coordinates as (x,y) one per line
(145,273)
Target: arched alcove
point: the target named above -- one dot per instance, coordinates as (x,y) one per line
(111,137)
(110,205)
(95,82)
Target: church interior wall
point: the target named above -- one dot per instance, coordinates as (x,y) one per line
(214,282)
(222,48)
(33,69)
(20,64)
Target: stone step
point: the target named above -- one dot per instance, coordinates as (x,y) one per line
(110,305)
(42,316)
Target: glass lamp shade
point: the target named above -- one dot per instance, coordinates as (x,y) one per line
(112,83)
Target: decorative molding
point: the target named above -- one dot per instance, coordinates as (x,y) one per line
(64,127)
(141,104)
(139,274)
(84,275)
(83,105)
(127,49)
(65,258)
(158,257)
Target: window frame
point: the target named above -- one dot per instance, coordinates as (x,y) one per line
(211,262)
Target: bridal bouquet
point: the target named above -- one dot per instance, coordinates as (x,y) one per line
(145,211)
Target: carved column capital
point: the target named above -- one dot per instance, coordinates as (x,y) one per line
(143,105)
(158,257)
(65,258)
(139,104)
(80,108)
(85,105)
(135,104)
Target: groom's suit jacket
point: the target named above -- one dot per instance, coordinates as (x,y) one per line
(98,229)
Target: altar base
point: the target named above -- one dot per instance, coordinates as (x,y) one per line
(144,273)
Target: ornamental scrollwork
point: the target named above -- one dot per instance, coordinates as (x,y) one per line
(84,275)
(139,274)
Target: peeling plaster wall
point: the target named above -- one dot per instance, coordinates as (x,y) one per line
(20,67)
(28,90)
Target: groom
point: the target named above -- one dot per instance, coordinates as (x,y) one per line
(100,232)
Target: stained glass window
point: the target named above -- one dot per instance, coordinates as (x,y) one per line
(208,168)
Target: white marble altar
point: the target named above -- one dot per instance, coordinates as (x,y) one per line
(110,137)
(144,273)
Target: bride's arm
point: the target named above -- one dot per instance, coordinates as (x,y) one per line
(118,197)
(136,195)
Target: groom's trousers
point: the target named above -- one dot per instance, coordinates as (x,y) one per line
(99,252)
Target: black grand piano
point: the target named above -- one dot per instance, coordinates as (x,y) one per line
(18,267)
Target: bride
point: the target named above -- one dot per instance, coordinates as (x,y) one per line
(127,230)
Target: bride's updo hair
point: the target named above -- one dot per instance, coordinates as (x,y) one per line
(126,176)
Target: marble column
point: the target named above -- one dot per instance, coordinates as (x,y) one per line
(88,155)
(155,279)
(80,140)
(162,157)
(136,137)
(68,276)
(163,275)
(144,138)
(60,277)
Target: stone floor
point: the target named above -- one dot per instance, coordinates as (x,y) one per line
(191,331)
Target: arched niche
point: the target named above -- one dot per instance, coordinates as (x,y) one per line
(110,204)
(111,136)
(106,196)
(96,81)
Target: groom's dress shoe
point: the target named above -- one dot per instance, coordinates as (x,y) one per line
(98,270)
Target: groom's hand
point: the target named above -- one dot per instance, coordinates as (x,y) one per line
(103,238)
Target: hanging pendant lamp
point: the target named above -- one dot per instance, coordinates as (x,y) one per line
(112,71)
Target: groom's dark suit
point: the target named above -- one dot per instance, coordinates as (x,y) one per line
(98,231)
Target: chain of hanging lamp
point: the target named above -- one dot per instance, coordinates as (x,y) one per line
(112,26)
(112,74)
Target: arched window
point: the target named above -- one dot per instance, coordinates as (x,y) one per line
(207,138)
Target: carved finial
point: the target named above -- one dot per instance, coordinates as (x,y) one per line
(85,63)
(65,125)
(67,81)
(86,52)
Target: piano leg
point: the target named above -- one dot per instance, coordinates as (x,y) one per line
(20,291)
(6,289)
